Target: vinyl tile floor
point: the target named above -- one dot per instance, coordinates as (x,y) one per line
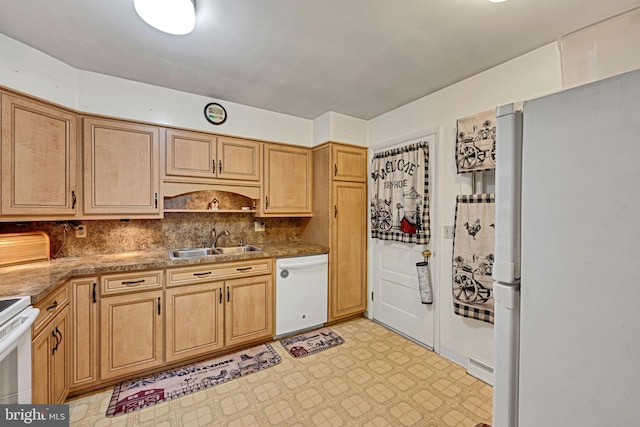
(376,378)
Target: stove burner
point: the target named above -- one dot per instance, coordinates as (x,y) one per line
(6,303)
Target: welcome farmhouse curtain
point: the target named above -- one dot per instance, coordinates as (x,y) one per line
(400,194)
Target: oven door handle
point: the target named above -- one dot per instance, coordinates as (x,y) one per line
(30,314)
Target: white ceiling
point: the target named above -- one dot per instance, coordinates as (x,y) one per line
(361,58)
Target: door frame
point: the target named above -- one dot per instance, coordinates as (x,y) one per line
(435,243)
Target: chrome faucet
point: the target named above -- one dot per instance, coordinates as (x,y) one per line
(215,237)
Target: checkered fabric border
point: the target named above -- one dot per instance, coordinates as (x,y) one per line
(463,309)
(423,235)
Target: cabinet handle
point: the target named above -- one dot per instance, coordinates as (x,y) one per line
(220,292)
(243,268)
(213,166)
(133,282)
(159,306)
(53,306)
(220,166)
(60,334)
(55,347)
(266,202)
(228,295)
(335,211)
(202,274)
(335,169)
(156,200)
(73,200)
(94,293)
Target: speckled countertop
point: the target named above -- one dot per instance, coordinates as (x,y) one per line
(39,279)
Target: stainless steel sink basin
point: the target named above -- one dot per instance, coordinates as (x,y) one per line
(201,252)
(237,249)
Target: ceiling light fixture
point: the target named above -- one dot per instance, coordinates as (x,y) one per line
(170,16)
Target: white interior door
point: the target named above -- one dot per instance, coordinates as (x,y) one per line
(396,299)
(394,277)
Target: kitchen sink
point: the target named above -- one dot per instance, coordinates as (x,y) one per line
(237,249)
(201,252)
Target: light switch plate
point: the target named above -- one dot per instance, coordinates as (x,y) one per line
(448,232)
(259,225)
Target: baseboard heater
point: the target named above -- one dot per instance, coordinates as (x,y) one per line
(480,370)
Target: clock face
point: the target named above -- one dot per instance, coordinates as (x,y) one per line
(215,113)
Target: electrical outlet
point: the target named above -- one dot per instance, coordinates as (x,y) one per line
(259,225)
(81,231)
(448,232)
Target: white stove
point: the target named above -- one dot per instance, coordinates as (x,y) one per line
(16,318)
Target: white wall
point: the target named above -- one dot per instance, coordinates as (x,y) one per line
(528,76)
(336,127)
(30,71)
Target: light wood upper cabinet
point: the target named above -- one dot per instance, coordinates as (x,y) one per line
(349,163)
(39,159)
(287,181)
(193,154)
(121,169)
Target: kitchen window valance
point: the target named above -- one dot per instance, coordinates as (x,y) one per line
(400,194)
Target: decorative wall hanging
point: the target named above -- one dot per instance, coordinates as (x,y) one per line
(473,256)
(400,194)
(476,142)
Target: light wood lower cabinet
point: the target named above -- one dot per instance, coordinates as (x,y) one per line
(50,355)
(84,327)
(249,310)
(195,319)
(131,333)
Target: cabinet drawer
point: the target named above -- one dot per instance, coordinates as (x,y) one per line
(114,284)
(50,307)
(211,272)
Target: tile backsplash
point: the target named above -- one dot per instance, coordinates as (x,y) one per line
(176,230)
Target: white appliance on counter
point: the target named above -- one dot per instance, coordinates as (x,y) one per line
(16,318)
(301,293)
(567,286)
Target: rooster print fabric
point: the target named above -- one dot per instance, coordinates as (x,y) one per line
(400,194)
(473,256)
(476,142)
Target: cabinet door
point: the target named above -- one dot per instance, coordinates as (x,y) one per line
(249,310)
(190,154)
(349,163)
(50,350)
(39,152)
(195,319)
(238,159)
(121,168)
(287,181)
(348,256)
(131,332)
(84,324)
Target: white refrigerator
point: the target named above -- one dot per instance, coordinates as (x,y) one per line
(567,262)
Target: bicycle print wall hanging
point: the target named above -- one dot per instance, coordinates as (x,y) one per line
(476,142)
(400,194)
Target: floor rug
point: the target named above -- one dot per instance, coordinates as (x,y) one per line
(311,342)
(141,393)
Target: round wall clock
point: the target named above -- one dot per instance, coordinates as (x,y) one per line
(215,113)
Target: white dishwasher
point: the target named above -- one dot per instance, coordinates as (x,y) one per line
(302,286)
